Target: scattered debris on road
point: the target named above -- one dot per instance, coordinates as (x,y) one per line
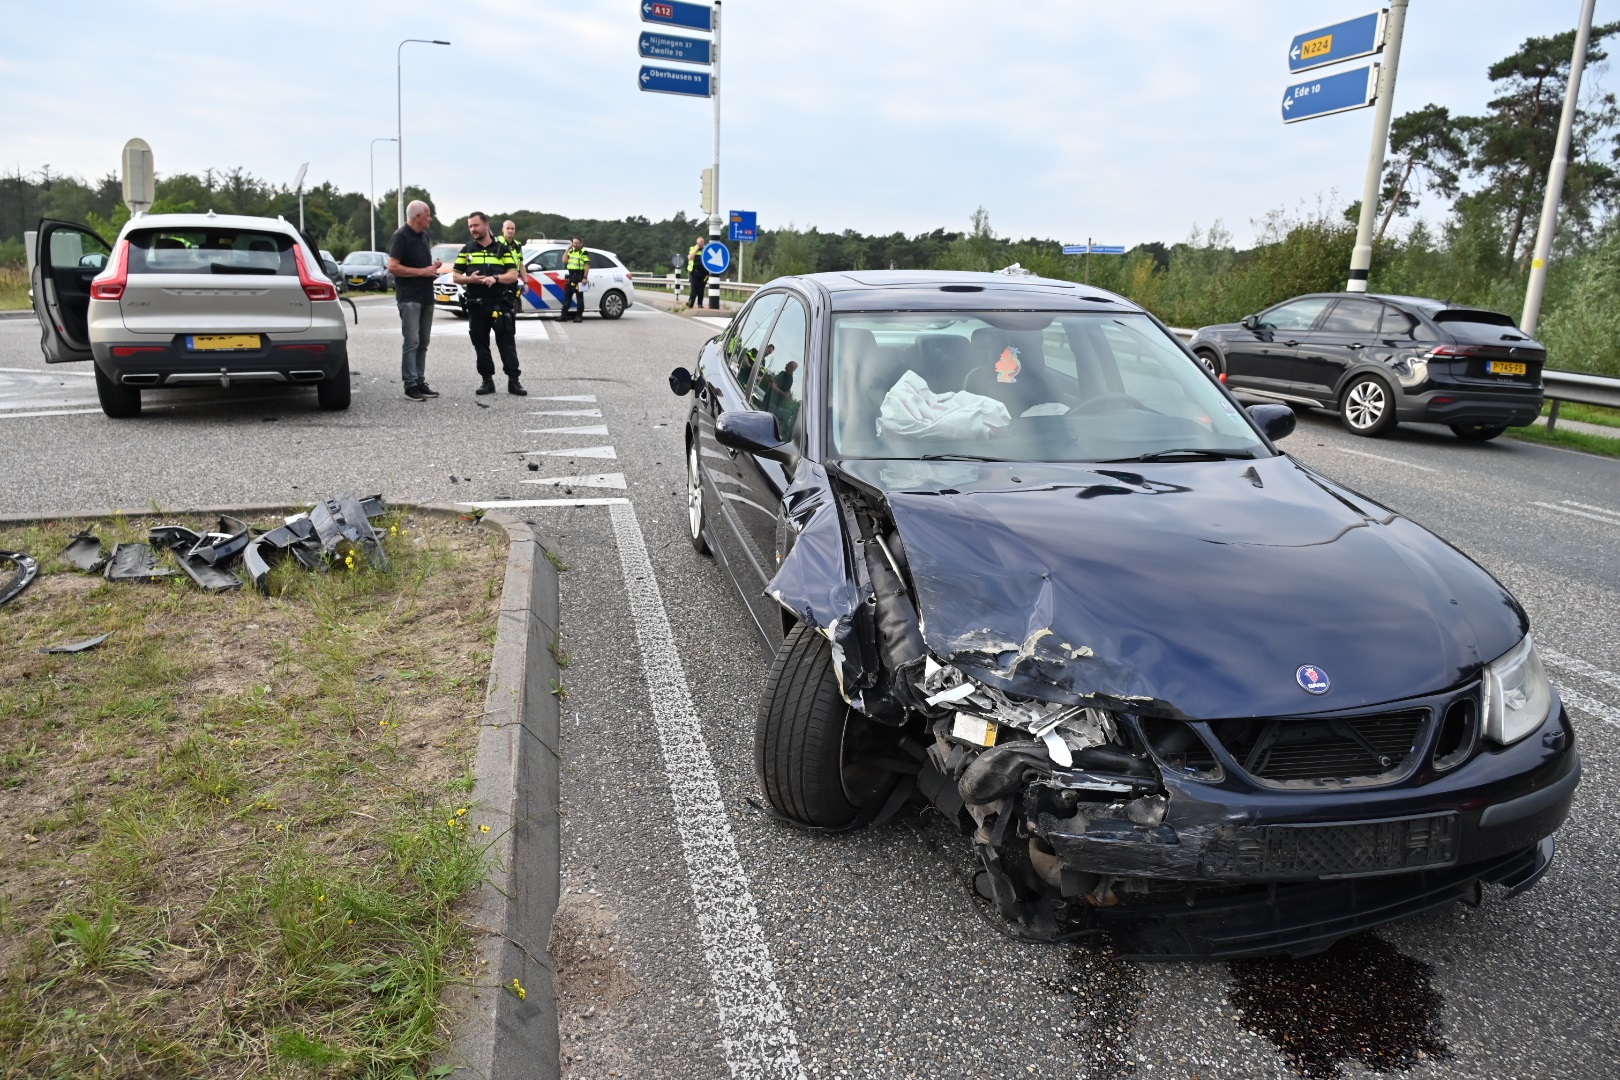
(27,570)
(79,646)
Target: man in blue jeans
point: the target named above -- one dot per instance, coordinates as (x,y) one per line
(414,268)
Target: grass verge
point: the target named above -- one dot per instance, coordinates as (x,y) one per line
(1602,445)
(234,834)
(1590,414)
(13,288)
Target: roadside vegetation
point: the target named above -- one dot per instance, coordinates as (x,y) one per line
(13,288)
(235,833)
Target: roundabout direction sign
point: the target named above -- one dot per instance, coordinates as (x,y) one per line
(716,257)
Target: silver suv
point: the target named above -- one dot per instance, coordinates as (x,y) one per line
(190,300)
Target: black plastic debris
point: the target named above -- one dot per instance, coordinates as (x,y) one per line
(336,527)
(79,646)
(173,537)
(135,562)
(208,576)
(344,529)
(204,557)
(86,552)
(27,569)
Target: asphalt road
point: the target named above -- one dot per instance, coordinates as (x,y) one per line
(726,942)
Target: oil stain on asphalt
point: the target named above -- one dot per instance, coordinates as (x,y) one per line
(1361,999)
(1107,993)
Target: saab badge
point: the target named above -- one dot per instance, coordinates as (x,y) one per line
(1313,680)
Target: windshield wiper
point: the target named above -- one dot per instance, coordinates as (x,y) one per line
(956,457)
(1205,452)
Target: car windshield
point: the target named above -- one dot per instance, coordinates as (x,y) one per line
(1025,386)
(363,258)
(446,253)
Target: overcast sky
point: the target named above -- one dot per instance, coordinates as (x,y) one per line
(1126,122)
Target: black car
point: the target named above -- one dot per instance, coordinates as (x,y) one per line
(1379,360)
(1019,555)
(366,270)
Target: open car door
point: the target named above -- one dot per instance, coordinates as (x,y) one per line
(66,258)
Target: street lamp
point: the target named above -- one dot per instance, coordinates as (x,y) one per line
(399,113)
(371,207)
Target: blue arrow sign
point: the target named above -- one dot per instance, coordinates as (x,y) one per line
(682,50)
(1353,89)
(677,13)
(716,257)
(1093,249)
(744,226)
(670,81)
(1361,36)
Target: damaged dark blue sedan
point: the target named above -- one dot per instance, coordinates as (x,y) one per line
(1020,556)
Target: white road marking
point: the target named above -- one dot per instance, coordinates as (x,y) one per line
(586,429)
(559,333)
(52,412)
(1588,506)
(569,412)
(711,320)
(754,1026)
(1579,667)
(520,504)
(568,397)
(1577,513)
(531,330)
(593,480)
(583,451)
(1380,457)
(1591,706)
(37,371)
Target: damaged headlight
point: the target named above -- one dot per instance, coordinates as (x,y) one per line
(1517,694)
(982,710)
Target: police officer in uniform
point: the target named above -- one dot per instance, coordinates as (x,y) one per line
(578,264)
(697,274)
(487,269)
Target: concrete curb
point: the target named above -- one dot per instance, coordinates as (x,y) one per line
(21,313)
(497,1034)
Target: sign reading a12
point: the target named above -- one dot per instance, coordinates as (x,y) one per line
(678,13)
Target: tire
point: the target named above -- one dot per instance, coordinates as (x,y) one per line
(1210,361)
(696,519)
(333,392)
(1477,432)
(809,745)
(1367,407)
(117,401)
(612,305)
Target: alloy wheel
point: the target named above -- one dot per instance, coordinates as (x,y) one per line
(694,494)
(1365,404)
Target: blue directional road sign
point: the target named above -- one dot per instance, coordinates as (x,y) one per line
(677,13)
(1093,249)
(682,50)
(672,81)
(1353,89)
(744,226)
(1361,36)
(716,257)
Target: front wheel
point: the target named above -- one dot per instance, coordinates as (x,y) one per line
(1367,407)
(333,391)
(1477,432)
(1211,362)
(694,501)
(613,305)
(812,752)
(117,400)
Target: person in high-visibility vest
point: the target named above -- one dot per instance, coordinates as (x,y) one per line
(578,264)
(486,268)
(509,238)
(697,274)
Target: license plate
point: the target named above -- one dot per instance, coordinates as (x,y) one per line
(1505,367)
(357,281)
(443,298)
(215,342)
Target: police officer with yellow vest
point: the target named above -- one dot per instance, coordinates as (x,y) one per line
(486,269)
(696,273)
(578,265)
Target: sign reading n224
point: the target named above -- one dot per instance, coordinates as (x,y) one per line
(677,13)
(1361,36)
(671,81)
(1354,89)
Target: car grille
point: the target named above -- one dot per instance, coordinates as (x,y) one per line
(1290,750)
(1361,847)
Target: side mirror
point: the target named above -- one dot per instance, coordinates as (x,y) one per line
(1277,421)
(1250,322)
(754,432)
(683,382)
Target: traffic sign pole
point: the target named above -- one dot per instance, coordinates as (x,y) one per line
(1361,257)
(715,229)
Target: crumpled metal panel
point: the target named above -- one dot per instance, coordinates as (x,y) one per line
(343,527)
(86,552)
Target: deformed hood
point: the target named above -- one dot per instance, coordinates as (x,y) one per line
(1190,589)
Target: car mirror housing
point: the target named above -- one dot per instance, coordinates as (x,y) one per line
(1250,322)
(1277,421)
(754,432)
(683,382)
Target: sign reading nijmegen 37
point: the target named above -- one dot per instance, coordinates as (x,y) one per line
(682,50)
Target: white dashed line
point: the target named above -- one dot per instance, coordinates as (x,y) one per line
(594,480)
(1579,667)
(558,332)
(754,1025)
(1577,513)
(569,397)
(1591,706)
(583,451)
(586,429)
(49,412)
(569,412)
(1615,514)
(1380,457)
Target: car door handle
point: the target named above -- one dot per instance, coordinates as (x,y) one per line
(1290,344)
(1355,345)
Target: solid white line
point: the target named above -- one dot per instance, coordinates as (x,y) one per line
(1578,666)
(558,332)
(37,371)
(568,397)
(1576,513)
(586,429)
(1591,706)
(53,412)
(594,480)
(711,320)
(568,412)
(1381,457)
(518,504)
(754,1024)
(1588,506)
(583,451)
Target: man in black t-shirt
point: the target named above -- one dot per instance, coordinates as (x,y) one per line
(414,268)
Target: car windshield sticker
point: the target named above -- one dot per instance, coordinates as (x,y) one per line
(1313,680)
(1007,367)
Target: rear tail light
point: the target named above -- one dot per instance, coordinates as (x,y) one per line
(131,350)
(1454,350)
(109,284)
(315,288)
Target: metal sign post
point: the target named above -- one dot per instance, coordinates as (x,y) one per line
(1361,257)
(298,183)
(140,185)
(1088,249)
(715,224)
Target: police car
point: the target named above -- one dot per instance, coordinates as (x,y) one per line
(609,289)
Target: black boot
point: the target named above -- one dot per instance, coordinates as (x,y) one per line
(513,387)
(488,387)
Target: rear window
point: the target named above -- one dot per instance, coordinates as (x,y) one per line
(211,251)
(1476,327)
(600,260)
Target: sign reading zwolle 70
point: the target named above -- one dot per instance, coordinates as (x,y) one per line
(678,13)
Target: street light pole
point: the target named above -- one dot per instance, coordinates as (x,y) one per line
(1555,178)
(399,112)
(1361,257)
(371,207)
(714,177)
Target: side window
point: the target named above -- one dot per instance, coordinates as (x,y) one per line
(547,260)
(1353,317)
(748,334)
(1398,325)
(779,387)
(74,249)
(600,260)
(1299,315)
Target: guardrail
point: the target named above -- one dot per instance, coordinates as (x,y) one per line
(676,284)
(1583,389)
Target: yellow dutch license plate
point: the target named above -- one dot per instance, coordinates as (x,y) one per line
(215,342)
(1505,367)
(442,298)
